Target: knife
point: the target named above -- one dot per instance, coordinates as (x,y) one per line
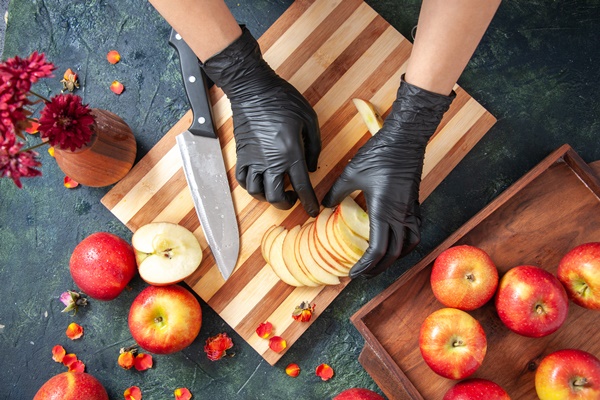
(204,167)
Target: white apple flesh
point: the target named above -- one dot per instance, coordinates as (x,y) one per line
(355,217)
(369,114)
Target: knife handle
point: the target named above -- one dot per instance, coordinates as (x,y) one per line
(196,88)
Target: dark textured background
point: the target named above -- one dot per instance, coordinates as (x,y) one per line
(536,70)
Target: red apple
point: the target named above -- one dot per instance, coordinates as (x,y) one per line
(102,265)
(579,272)
(452,343)
(531,301)
(476,389)
(358,394)
(464,277)
(72,386)
(568,374)
(165,319)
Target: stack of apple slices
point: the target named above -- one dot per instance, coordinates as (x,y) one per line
(320,251)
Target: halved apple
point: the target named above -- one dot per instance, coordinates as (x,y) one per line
(354,217)
(326,241)
(305,259)
(322,258)
(165,253)
(369,114)
(289,258)
(352,244)
(277,263)
(267,240)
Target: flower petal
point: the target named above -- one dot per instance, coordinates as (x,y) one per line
(69,359)
(133,393)
(217,346)
(74,331)
(70,183)
(117,87)
(303,312)
(58,353)
(126,360)
(113,57)
(77,366)
(324,371)
(143,362)
(69,74)
(264,330)
(182,394)
(292,370)
(277,344)
(51,151)
(32,127)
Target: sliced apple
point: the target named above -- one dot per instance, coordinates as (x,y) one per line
(349,241)
(289,258)
(322,258)
(342,266)
(267,240)
(327,242)
(277,263)
(304,257)
(165,253)
(369,114)
(299,258)
(354,217)
(336,242)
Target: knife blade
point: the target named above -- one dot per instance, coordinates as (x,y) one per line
(204,167)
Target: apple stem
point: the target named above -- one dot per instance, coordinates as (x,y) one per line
(158,319)
(584,288)
(458,343)
(470,277)
(539,309)
(579,382)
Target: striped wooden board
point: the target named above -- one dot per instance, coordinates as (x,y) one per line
(332,51)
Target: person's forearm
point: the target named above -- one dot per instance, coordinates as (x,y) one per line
(207,26)
(448,33)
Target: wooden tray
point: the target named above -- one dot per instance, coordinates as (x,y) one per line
(331,51)
(553,208)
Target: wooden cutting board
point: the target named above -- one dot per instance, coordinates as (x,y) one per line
(331,51)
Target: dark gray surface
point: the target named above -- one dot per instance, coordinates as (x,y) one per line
(536,70)
(3,9)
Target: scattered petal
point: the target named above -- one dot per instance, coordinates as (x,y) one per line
(143,362)
(58,353)
(117,87)
(69,359)
(277,344)
(303,312)
(292,370)
(70,183)
(32,127)
(324,371)
(69,81)
(74,331)
(217,346)
(126,360)
(113,57)
(264,330)
(133,393)
(182,394)
(72,300)
(51,151)
(77,366)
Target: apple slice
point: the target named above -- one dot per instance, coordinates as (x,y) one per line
(342,266)
(324,239)
(369,114)
(267,240)
(289,258)
(322,258)
(305,259)
(354,216)
(349,241)
(336,242)
(276,260)
(165,253)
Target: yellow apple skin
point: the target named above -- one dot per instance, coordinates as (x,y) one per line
(568,374)
(579,272)
(369,114)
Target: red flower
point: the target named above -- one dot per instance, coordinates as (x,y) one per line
(17,164)
(65,122)
(19,73)
(12,113)
(217,346)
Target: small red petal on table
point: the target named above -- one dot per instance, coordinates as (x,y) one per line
(216,346)
(74,331)
(133,393)
(32,127)
(264,330)
(77,366)
(69,74)
(69,359)
(303,312)
(324,371)
(58,353)
(113,57)
(182,394)
(292,370)
(126,360)
(143,362)
(70,183)
(277,344)
(117,87)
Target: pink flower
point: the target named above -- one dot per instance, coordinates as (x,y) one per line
(20,73)
(65,122)
(17,164)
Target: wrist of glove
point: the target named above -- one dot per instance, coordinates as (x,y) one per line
(276,131)
(388,170)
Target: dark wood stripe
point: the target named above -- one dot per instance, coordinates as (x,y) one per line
(283,23)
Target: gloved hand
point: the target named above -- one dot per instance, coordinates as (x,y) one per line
(276,131)
(388,170)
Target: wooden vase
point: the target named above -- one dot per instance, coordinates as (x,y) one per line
(107,158)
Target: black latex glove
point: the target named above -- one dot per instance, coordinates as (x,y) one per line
(388,170)
(276,131)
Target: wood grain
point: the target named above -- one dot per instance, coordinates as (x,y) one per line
(536,221)
(331,51)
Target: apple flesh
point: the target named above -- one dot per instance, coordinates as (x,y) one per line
(277,263)
(102,265)
(531,301)
(464,277)
(304,258)
(358,394)
(369,114)
(165,319)
(476,389)
(165,253)
(289,257)
(452,343)
(568,374)
(579,272)
(72,386)
(354,217)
